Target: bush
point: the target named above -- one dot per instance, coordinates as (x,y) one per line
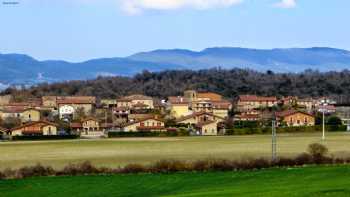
(33,171)
(167,166)
(2,176)
(79,169)
(132,168)
(318,153)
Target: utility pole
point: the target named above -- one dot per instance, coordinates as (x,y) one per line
(323,126)
(274,141)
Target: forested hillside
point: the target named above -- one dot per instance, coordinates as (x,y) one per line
(229,83)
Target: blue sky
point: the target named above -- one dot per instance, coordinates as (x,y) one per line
(77,30)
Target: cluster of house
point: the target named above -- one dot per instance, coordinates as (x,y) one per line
(297,112)
(201,112)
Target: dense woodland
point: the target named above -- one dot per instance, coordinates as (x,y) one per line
(229,83)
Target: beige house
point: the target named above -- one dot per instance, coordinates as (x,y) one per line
(207,128)
(109,102)
(35,128)
(25,115)
(178,110)
(136,101)
(68,106)
(89,127)
(199,117)
(49,101)
(147,124)
(294,118)
(192,95)
(252,115)
(307,103)
(251,102)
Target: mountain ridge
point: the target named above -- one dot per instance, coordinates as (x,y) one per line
(24,69)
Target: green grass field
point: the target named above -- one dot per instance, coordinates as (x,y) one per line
(308,182)
(118,152)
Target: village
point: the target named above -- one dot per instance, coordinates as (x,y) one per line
(193,113)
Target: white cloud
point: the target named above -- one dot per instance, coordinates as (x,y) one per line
(286,4)
(138,6)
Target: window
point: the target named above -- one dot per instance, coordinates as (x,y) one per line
(305,120)
(142,124)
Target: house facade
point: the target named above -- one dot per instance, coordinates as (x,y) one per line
(147,124)
(35,128)
(136,101)
(198,117)
(89,127)
(251,102)
(294,118)
(24,114)
(207,128)
(69,106)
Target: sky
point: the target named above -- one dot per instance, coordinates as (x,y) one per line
(78,30)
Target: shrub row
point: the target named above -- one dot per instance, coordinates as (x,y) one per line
(316,155)
(148,134)
(170,166)
(265,130)
(45,137)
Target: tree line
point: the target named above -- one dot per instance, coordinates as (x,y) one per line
(229,83)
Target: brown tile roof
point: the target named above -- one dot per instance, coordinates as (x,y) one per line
(248,98)
(12,109)
(144,119)
(221,104)
(42,122)
(196,114)
(135,97)
(201,124)
(290,112)
(76,100)
(178,100)
(76,125)
(209,95)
